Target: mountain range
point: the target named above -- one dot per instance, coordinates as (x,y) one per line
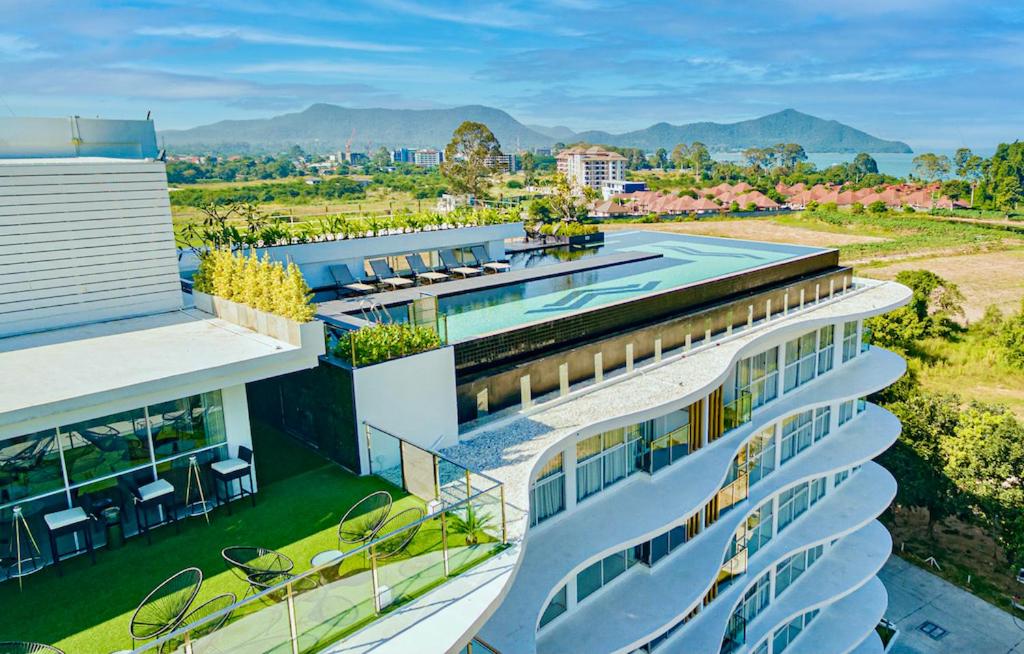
(327,127)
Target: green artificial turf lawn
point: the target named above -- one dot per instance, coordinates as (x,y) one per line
(302,497)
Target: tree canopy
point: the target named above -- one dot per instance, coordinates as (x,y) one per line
(465,159)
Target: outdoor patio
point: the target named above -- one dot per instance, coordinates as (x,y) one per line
(301,500)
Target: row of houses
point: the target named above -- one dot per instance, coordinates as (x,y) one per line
(798,196)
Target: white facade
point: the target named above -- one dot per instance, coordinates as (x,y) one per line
(813,494)
(105,375)
(428,158)
(593,167)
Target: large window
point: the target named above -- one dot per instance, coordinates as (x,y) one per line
(845,412)
(801,360)
(756,599)
(822,422)
(792,504)
(784,636)
(797,435)
(673,443)
(826,349)
(607,458)
(761,454)
(89,456)
(30,466)
(759,375)
(759,528)
(662,545)
(547,495)
(850,345)
(790,570)
(599,573)
(736,486)
(556,607)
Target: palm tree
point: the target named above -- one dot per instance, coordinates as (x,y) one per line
(470,525)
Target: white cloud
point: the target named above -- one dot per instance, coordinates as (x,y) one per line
(489,16)
(219,32)
(18,48)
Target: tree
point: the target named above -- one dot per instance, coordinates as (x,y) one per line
(529,165)
(1011,338)
(931,167)
(382,158)
(864,164)
(969,167)
(700,159)
(878,206)
(789,155)
(565,203)
(465,159)
(661,158)
(681,156)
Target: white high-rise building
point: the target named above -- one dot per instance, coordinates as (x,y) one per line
(593,166)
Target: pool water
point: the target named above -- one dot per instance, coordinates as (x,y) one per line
(686,259)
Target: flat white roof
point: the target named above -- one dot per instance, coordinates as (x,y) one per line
(45,375)
(66,161)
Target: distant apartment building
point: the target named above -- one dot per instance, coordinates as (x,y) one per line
(542,152)
(402,155)
(504,162)
(428,158)
(593,166)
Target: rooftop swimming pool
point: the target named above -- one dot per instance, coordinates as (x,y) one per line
(684,260)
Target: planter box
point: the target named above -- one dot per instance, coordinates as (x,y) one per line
(587,239)
(263,322)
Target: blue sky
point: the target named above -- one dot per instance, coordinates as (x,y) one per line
(935,73)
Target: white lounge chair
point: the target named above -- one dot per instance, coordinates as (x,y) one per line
(482,259)
(344,279)
(386,276)
(453,266)
(421,270)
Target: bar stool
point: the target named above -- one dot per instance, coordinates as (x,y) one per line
(158,494)
(66,523)
(234,469)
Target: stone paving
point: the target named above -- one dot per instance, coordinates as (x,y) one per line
(972,625)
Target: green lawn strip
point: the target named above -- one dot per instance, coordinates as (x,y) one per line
(87,610)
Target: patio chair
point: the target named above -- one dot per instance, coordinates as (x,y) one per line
(364,519)
(344,279)
(421,270)
(76,520)
(158,494)
(207,608)
(386,276)
(165,606)
(20,647)
(392,546)
(230,470)
(256,566)
(487,262)
(452,265)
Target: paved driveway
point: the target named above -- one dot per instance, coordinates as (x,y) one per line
(973,626)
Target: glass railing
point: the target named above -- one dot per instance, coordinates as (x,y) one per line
(737,412)
(865,342)
(464,524)
(669,448)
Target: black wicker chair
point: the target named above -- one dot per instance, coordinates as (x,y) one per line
(362,522)
(257,567)
(165,606)
(390,546)
(18,647)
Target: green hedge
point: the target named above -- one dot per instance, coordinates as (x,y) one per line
(373,344)
(259,283)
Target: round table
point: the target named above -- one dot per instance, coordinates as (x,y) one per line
(322,559)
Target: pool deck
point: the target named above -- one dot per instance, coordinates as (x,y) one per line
(337,308)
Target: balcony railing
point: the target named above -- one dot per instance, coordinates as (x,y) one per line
(737,412)
(464,525)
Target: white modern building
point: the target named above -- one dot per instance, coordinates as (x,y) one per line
(106,375)
(428,158)
(593,166)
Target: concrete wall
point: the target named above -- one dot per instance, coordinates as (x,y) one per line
(236,423)
(412,397)
(314,258)
(84,240)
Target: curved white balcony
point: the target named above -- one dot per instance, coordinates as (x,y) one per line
(513,450)
(870,645)
(848,565)
(624,516)
(845,624)
(645,603)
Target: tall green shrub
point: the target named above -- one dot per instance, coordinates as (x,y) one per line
(381,342)
(261,284)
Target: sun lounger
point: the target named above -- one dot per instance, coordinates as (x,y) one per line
(488,263)
(386,276)
(421,270)
(344,279)
(453,266)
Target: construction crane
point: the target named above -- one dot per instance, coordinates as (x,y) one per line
(348,146)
